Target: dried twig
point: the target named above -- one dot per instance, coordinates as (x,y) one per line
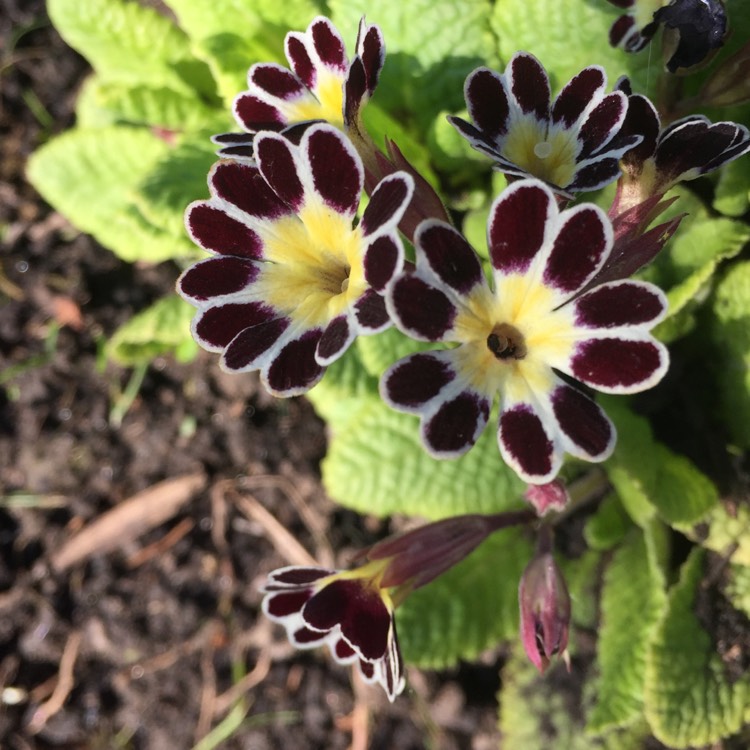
(228,698)
(160,546)
(128,520)
(64,685)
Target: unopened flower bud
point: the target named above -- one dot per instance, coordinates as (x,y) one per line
(545,611)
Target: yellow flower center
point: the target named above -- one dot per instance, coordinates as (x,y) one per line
(512,338)
(370,574)
(314,270)
(325,103)
(549,154)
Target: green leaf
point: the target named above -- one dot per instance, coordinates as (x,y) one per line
(376,464)
(649,478)
(110,103)
(431,48)
(567,36)
(632,602)
(583,576)
(539,712)
(732,195)
(689,700)
(163,328)
(470,608)
(179,178)
(91,176)
(730,345)
(725,530)
(738,588)
(608,526)
(124,41)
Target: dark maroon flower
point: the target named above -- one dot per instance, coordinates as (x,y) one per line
(573,143)
(294,279)
(633,30)
(538,319)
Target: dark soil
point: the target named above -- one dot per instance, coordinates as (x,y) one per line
(136,645)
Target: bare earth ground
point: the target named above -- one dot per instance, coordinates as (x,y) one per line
(146,633)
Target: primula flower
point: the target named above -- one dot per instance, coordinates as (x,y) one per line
(573,144)
(539,318)
(321,85)
(293,279)
(352,611)
(633,30)
(684,150)
(348,611)
(544,603)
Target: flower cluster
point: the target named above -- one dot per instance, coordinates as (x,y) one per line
(304,228)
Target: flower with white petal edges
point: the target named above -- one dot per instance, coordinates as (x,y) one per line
(294,278)
(572,143)
(513,339)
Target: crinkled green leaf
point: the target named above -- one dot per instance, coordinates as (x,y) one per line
(725,530)
(345,390)
(689,699)
(126,41)
(632,601)
(91,176)
(732,195)
(608,526)
(541,712)
(431,48)
(163,328)
(470,608)
(179,178)
(738,588)
(649,478)
(117,103)
(567,36)
(583,576)
(376,464)
(730,347)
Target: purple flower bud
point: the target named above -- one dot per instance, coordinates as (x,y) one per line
(545,611)
(550,496)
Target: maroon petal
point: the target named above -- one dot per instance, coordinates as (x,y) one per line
(294,369)
(529,85)
(242,185)
(371,312)
(595,175)
(387,203)
(359,610)
(253,114)
(244,350)
(624,303)
(583,241)
(342,652)
(393,668)
(235,145)
(336,339)
(214,230)
(217,277)
(371,50)
(279,169)
(517,223)
(476,138)
(420,309)
(450,257)
(383,259)
(602,123)
(642,119)
(526,444)
(306,638)
(619,365)
(590,434)
(214,327)
(367,670)
(415,380)
(275,80)
(337,172)
(299,58)
(577,94)
(487,102)
(456,425)
(285,603)
(294,575)
(328,43)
